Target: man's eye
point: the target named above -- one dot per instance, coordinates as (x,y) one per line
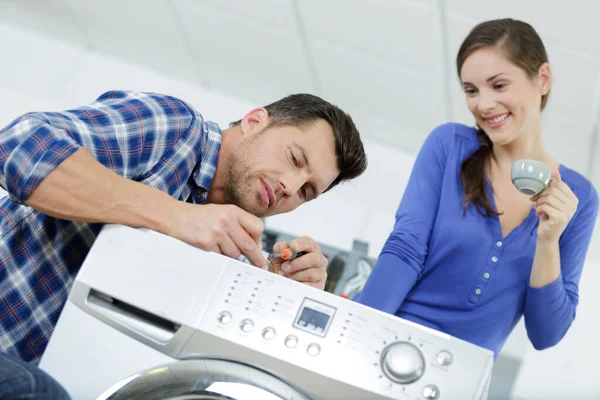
(303,191)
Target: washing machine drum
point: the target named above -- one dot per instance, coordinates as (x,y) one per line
(205,379)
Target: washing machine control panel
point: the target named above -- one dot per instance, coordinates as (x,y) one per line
(182,302)
(340,339)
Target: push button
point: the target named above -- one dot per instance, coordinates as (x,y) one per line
(291,341)
(268,333)
(224,317)
(313,349)
(246,325)
(431,392)
(444,357)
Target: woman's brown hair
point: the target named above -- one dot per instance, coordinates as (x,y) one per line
(523,47)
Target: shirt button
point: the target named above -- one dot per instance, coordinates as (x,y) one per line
(486,275)
(494,259)
(478,291)
(198,196)
(499,243)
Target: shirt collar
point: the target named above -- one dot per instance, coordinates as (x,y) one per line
(204,171)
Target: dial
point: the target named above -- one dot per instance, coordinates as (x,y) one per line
(402,362)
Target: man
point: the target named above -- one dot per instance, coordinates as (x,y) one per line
(149,160)
(24,381)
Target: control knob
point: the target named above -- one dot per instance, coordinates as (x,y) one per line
(402,362)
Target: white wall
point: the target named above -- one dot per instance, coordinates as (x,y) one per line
(568,371)
(38,73)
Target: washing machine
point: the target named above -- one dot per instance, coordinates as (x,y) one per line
(151,317)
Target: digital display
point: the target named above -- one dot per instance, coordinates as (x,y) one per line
(314,317)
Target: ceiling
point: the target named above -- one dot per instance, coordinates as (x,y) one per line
(390,63)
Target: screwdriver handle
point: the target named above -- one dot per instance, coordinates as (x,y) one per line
(285,255)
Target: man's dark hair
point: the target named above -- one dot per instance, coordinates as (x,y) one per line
(300,110)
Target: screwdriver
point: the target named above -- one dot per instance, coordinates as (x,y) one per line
(284,255)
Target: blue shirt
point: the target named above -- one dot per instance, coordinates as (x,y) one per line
(454,272)
(150,138)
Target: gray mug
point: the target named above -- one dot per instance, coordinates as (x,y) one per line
(530,176)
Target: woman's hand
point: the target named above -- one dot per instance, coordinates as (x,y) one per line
(555,206)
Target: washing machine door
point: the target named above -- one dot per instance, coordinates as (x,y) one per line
(206,379)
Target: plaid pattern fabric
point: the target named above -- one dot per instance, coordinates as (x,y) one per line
(150,138)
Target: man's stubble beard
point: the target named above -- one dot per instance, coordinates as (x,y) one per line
(240,180)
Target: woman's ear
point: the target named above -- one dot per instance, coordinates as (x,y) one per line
(545,78)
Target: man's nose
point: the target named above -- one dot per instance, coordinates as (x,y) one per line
(291,183)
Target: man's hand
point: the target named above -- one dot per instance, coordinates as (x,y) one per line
(222,228)
(311,268)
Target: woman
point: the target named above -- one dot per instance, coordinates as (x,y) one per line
(469,254)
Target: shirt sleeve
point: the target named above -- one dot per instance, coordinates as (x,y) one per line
(401,261)
(550,310)
(127,132)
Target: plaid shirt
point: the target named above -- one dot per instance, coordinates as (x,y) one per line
(154,139)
